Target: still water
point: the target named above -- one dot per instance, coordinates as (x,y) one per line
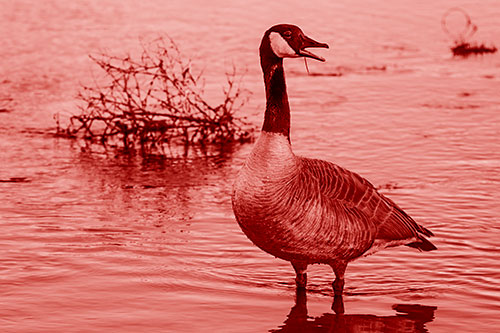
(96,243)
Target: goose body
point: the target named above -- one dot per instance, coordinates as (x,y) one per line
(304,210)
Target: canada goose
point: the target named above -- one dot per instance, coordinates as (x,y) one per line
(304,210)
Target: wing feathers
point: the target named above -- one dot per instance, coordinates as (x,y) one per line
(357,193)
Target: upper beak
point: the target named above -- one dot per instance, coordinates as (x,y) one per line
(309,42)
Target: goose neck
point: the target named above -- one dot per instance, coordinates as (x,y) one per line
(277,115)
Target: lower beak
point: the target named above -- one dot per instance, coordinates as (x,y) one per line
(309,42)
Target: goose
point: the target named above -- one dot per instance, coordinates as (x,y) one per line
(303,210)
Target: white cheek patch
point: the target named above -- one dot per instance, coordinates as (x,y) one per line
(280,46)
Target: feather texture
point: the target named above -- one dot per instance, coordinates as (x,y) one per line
(302,209)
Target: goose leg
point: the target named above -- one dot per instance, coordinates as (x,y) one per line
(339,270)
(338,304)
(301,275)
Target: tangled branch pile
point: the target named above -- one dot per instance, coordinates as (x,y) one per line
(156,100)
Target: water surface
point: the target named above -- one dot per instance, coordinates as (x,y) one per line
(93,242)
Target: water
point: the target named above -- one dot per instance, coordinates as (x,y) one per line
(113,243)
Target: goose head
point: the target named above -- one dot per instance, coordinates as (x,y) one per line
(288,41)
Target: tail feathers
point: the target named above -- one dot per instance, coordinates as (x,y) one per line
(423,245)
(425,231)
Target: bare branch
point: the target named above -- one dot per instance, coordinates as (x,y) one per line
(155,100)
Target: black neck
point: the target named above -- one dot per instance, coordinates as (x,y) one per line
(277,116)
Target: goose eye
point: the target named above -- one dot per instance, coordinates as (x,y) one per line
(287,34)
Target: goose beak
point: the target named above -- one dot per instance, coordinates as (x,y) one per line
(309,42)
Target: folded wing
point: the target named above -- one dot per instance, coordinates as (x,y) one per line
(394,226)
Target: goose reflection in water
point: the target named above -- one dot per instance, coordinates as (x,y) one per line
(408,318)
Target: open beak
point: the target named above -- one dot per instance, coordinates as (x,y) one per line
(308,42)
